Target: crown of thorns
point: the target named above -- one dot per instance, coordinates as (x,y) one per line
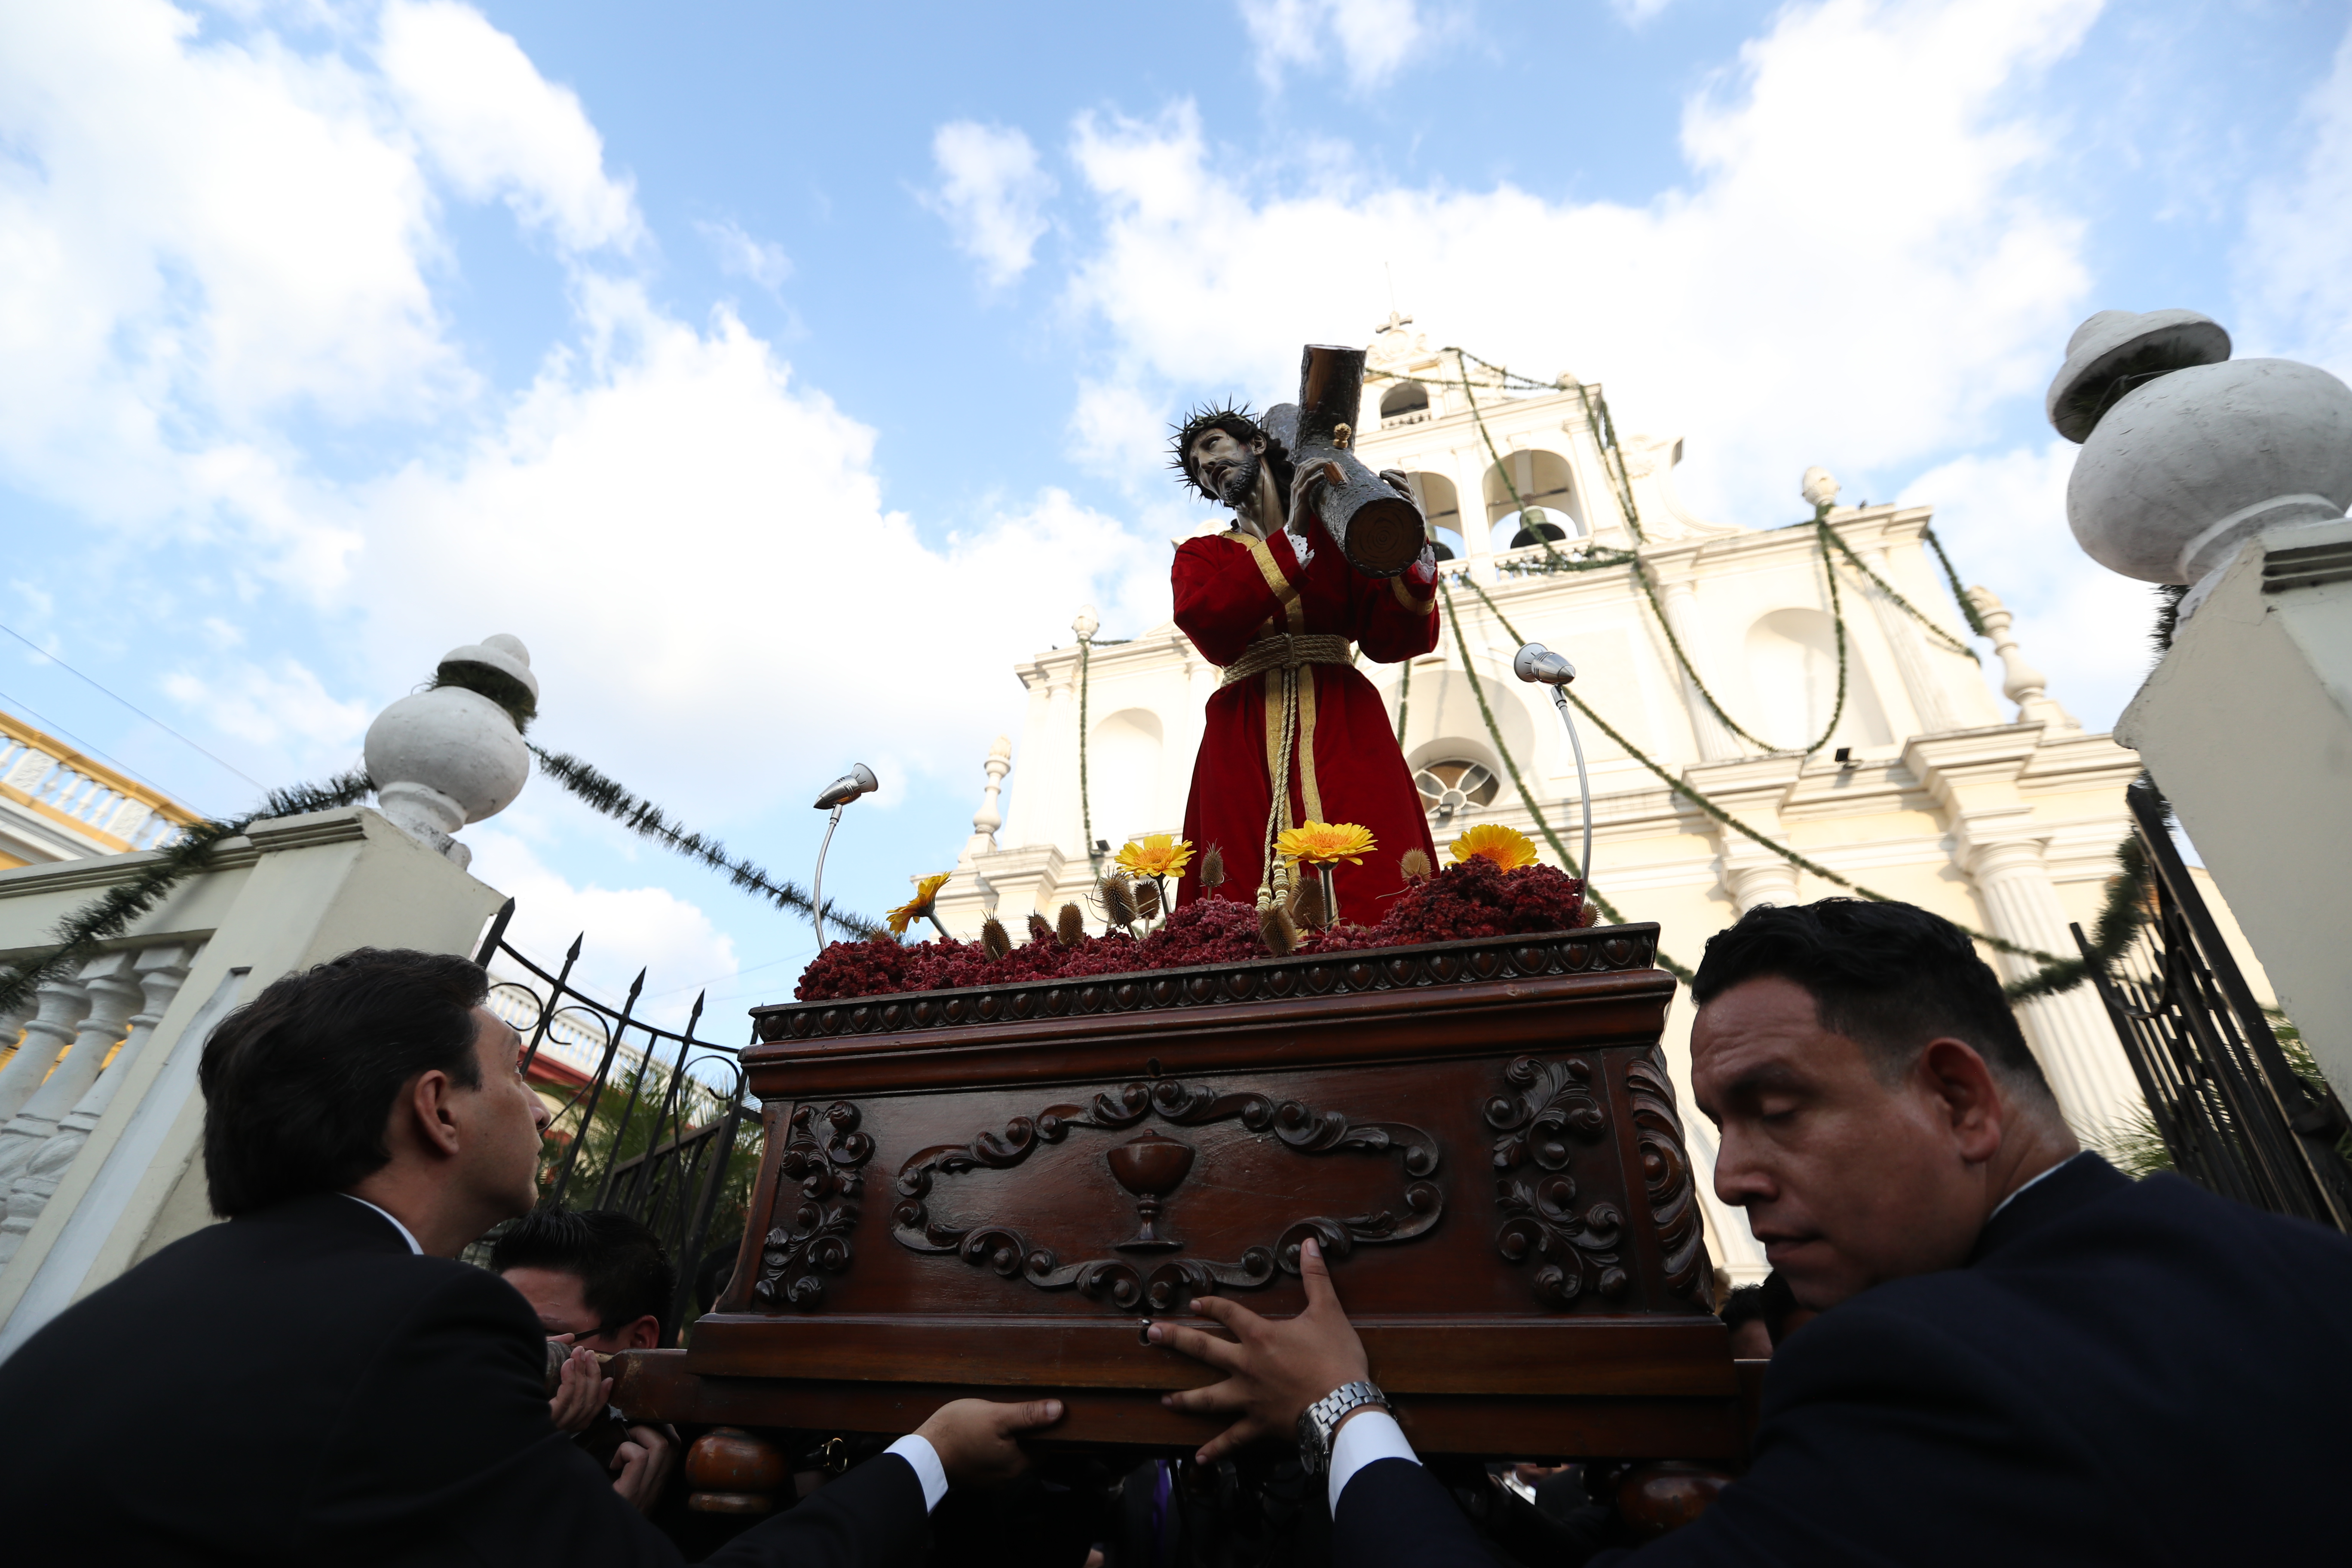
(1235,420)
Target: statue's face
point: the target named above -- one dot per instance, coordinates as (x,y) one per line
(1227,468)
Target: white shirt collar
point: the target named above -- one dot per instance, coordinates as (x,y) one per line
(2012,1197)
(407,1237)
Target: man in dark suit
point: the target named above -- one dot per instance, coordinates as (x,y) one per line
(320,1380)
(2023,1356)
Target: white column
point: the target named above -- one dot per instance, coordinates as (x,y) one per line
(1061,826)
(1903,636)
(2070,1034)
(1716,742)
(58,1007)
(1470,488)
(113,992)
(1760,877)
(159,973)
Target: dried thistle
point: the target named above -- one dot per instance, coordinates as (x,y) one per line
(1274,928)
(1414,866)
(1070,926)
(1307,902)
(1038,930)
(1212,867)
(1117,899)
(1146,898)
(992,940)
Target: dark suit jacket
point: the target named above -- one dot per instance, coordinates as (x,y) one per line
(2125,1372)
(296,1386)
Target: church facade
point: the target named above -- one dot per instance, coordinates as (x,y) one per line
(1994,809)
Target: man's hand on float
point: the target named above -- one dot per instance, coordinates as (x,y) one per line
(1274,1367)
(974,1438)
(582,1390)
(641,1465)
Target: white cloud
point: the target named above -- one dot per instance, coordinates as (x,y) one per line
(706,554)
(499,129)
(2294,265)
(1633,12)
(2003,520)
(625,929)
(992,195)
(1373,38)
(281,704)
(759,261)
(1858,272)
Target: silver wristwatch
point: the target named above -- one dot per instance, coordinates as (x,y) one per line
(1319,1422)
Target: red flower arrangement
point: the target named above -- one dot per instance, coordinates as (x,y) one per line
(1474,898)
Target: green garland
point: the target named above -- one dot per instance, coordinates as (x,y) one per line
(1085,804)
(80,936)
(1999,945)
(641,816)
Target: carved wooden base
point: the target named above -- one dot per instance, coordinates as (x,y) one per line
(733,1472)
(992,1191)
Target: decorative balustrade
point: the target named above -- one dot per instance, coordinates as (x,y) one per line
(72,1052)
(51,780)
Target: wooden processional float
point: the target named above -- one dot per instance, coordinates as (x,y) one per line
(991,1191)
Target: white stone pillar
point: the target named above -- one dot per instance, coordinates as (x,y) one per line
(58,1007)
(113,992)
(1903,638)
(1060,785)
(2070,1034)
(159,971)
(1716,742)
(1470,489)
(2024,685)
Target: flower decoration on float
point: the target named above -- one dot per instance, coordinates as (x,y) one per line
(926,893)
(1323,843)
(1507,847)
(1156,855)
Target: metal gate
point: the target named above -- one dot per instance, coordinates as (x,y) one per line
(2234,1113)
(652,1131)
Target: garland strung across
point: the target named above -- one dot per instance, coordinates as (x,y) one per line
(80,936)
(642,817)
(2050,960)
(1085,806)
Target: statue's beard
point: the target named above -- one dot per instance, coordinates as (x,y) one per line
(1239,488)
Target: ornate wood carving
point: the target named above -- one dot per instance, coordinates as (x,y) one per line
(823,1156)
(1552,1107)
(1126,1284)
(1592,950)
(1667,1176)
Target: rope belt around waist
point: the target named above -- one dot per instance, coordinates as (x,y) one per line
(1287,651)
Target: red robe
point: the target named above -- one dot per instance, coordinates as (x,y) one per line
(1345,767)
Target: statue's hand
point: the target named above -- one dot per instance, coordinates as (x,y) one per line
(1302,484)
(1397,480)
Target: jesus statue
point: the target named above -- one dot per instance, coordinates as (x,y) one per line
(1293,734)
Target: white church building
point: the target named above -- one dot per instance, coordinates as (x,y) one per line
(1994,809)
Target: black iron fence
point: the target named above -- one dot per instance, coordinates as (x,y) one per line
(2235,1113)
(656,1130)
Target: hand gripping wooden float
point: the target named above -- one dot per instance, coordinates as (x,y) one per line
(992,1191)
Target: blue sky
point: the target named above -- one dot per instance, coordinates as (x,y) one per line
(782,374)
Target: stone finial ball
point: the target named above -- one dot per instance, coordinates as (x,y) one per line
(1818,488)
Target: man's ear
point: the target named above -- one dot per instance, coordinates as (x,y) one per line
(645,1334)
(1970,1096)
(430,1112)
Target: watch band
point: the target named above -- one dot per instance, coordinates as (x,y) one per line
(1319,1422)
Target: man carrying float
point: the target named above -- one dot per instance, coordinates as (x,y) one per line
(1321,555)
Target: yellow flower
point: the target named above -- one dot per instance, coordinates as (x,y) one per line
(920,904)
(1324,842)
(1156,855)
(1505,846)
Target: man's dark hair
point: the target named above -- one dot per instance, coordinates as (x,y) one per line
(1888,976)
(624,1273)
(1234,420)
(300,1082)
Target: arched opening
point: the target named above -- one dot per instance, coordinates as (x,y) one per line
(1406,403)
(1123,776)
(1545,489)
(1439,504)
(1792,677)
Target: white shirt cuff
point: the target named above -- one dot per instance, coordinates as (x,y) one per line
(917,1450)
(1367,1437)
